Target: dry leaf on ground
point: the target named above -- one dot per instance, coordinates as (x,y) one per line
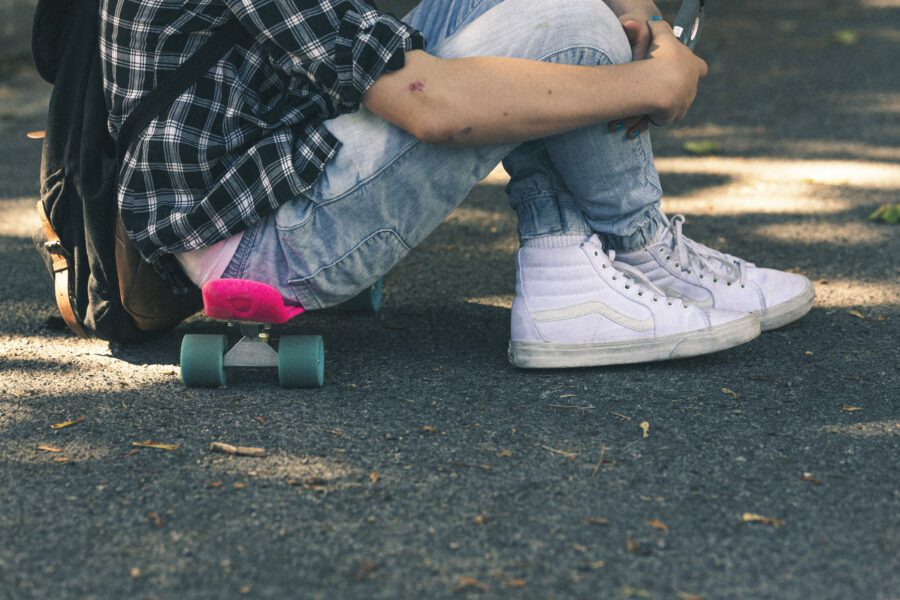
(65,424)
(465,582)
(855,313)
(809,477)
(645,427)
(748,517)
(657,524)
(505,453)
(237,450)
(732,393)
(598,521)
(429,428)
(374,477)
(850,408)
(47,448)
(569,455)
(365,569)
(157,445)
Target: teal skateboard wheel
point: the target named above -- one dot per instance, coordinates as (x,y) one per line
(368,301)
(301,361)
(202,357)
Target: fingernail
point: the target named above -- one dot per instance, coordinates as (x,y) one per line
(620,126)
(656,18)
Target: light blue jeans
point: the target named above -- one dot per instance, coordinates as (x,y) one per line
(385,191)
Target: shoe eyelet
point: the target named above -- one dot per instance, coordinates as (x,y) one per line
(604,265)
(615,278)
(743,286)
(715,281)
(596,253)
(677,265)
(669,303)
(661,250)
(701,276)
(640,293)
(729,284)
(656,299)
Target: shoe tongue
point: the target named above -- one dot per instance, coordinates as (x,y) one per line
(663,236)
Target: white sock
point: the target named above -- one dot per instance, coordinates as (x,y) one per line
(555,241)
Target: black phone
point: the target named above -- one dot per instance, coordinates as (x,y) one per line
(689,22)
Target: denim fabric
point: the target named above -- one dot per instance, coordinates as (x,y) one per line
(385,191)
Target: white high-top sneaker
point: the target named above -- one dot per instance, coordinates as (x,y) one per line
(573,308)
(684,268)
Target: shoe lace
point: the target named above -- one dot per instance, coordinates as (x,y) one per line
(691,255)
(634,277)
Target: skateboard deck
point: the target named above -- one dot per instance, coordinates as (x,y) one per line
(253,308)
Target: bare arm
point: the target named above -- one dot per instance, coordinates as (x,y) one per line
(490,100)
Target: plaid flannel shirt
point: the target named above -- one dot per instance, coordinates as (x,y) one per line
(248,136)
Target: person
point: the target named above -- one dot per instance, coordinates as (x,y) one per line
(316,155)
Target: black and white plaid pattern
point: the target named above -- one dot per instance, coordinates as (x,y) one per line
(248,136)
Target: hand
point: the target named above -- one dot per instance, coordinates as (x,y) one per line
(677,73)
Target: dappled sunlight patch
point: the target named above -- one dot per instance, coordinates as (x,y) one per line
(500,301)
(868,102)
(887,427)
(847,293)
(54,451)
(848,234)
(291,468)
(90,363)
(846,173)
(880,3)
(758,198)
(18,217)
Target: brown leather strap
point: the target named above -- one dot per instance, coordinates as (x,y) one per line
(61,272)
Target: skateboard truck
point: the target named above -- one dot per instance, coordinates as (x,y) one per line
(689,22)
(254,307)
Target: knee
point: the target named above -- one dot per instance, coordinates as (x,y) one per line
(583,23)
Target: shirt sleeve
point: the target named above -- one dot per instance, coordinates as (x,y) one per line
(340,46)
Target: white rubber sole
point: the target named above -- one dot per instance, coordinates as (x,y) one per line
(787,312)
(545,355)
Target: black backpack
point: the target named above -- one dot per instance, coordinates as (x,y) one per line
(103,288)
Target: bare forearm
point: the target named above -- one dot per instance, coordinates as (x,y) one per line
(489,100)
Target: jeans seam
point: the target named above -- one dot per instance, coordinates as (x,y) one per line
(556,53)
(368,179)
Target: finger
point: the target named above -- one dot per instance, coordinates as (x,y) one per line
(642,125)
(632,30)
(659,27)
(623,124)
(704,68)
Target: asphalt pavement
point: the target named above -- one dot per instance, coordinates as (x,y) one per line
(428,467)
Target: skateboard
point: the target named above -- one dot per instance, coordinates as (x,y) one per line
(253,308)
